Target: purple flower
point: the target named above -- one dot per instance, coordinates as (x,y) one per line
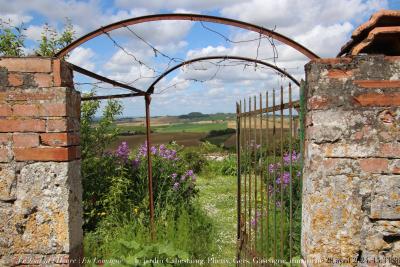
(153,150)
(143,150)
(298,173)
(175,187)
(123,151)
(135,163)
(273,167)
(293,155)
(190,173)
(174,175)
(285,178)
(183,178)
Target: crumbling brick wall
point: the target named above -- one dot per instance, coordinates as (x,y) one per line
(351,189)
(40,183)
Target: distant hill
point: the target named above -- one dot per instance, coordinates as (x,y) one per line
(194,115)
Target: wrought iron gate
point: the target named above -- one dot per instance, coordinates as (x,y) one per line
(269,160)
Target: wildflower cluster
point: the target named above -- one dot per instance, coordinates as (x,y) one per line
(169,172)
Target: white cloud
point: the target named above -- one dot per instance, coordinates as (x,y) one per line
(82,57)
(34,32)
(14,19)
(177,4)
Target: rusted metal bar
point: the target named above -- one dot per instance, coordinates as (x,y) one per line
(226,57)
(273,108)
(105,79)
(102,97)
(255,174)
(245,170)
(281,178)
(260,162)
(250,176)
(268,172)
(189,17)
(239,182)
(291,178)
(149,167)
(274,173)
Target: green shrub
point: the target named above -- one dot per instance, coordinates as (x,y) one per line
(194,159)
(227,166)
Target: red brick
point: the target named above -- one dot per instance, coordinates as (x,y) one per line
(53,110)
(392,58)
(19,96)
(59,139)
(15,79)
(374,165)
(390,150)
(28,110)
(57,72)
(62,125)
(43,79)
(21,125)
(57,125)
(47,153)
(4,138)
(26,140)
(377,83)
(339,74)
(28,64)
(331,61)
(5,110)
(317,102)
(375,99)
(43,110)
(4,155)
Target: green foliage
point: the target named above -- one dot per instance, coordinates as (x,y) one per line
(195,160)
(100,132)
(182,233)
(226,131)
(51,41)
(11,40)
(226,166)
(97,171)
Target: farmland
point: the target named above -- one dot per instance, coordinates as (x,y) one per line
(189,130)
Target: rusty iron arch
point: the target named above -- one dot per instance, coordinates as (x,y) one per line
(150,89)
(188,17)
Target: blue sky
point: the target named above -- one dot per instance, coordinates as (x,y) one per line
(322,26)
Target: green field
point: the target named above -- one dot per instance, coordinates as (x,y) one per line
(176,127)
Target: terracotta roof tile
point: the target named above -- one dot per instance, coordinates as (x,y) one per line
(379,35)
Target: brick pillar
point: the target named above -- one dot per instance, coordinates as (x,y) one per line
(351,192)
(40,182)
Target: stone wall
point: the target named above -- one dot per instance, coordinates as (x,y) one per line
(351,189)
(40,183)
